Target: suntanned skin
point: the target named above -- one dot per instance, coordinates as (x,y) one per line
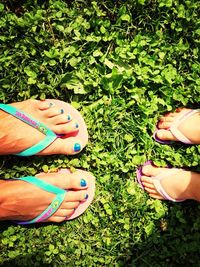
(20,200)
(15,134)
(23,201)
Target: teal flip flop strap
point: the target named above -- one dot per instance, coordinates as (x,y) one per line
(50,135)
(55,204)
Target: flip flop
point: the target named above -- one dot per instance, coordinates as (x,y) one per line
(50,136)
(59,197)
(157,181)
(184,115)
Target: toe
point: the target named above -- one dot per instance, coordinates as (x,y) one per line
(147,182)
(71,205)
(65,128)
(75,196)
(149,187)
(53,111)
(60,119)
(60,215)
(167,118)
(66,146)
(74,180)
(66,180)
(44,105)
(156,195)
(164,124)
(165,135)
(151,171)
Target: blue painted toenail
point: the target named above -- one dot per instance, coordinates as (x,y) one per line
(77,147)
(76,125)
(61,111)
(86,196)
(83,182)
(50,104)
(68,117)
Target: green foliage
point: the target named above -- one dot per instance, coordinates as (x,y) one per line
(122,64)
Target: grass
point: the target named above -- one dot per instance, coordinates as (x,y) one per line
(121,64)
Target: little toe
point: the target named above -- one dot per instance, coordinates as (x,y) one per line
(165,135)
(60,215)
(156,196)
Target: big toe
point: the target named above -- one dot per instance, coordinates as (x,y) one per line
(66,146)
(165,135)
(151,171)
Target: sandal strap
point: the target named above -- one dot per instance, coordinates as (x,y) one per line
(55,204)
(157,183)
(174,127)
(49,138)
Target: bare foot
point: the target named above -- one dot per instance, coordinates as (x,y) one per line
(23,201)
(190,127)
(178,184)
(16,136)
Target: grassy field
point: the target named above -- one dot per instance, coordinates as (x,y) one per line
(121,64)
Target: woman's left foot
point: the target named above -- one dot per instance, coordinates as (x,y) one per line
(179,184)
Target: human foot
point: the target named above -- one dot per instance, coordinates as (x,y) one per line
(67,130)
(182,125)
(23,201)
(169,184)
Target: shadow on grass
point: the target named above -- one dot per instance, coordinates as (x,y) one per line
(175,241)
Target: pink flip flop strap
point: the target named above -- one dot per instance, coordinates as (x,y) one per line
(174,127)
(157,183)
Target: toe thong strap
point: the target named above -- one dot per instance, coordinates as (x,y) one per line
(50,135)
(157,183)
(174,127)
(55,204)
(161,190)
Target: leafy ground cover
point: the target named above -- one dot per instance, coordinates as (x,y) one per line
(122,64)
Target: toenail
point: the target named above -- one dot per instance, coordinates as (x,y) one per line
(50,105)
(68,117)
(86,196)
(76,125)
(61,111)
(77,147)
(83,182)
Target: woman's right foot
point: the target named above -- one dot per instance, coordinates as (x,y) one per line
(22,201)
(190,128)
